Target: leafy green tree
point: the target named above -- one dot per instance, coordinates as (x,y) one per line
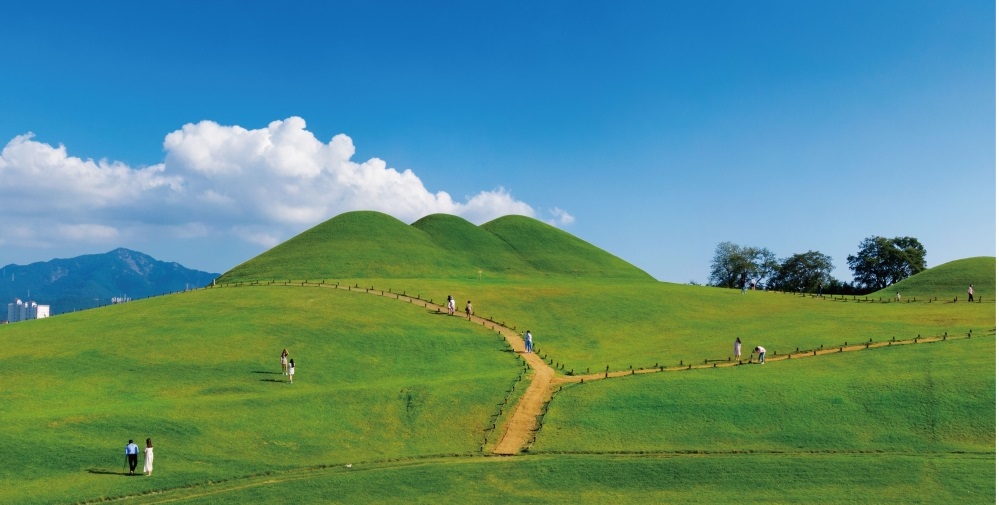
(734,264)
(883,261)
(804,272)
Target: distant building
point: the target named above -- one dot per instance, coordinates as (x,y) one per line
(21,311)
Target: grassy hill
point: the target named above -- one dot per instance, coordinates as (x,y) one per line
(554,251)
(410,397)
(368,244)
(949,281)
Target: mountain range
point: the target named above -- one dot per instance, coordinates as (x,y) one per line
(93,280)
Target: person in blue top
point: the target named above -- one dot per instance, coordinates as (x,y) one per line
(132,453)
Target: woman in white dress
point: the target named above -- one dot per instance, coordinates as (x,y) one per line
(148,466)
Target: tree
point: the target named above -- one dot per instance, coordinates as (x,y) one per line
(882,261)
(733,264)
(804,272)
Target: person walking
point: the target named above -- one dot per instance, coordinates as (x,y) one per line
(738,349)
(763,354)
(528,342)
(291,371)
(284,362)
(468,310)
(147,465)
(971,292)
(450,305)
(132,454)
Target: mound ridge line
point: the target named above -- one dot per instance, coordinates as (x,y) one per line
(522,427)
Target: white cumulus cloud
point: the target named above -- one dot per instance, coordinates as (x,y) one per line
(259,186)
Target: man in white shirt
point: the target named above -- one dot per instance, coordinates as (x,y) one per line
(132,453)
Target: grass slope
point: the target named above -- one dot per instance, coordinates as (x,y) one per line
(366,244)
(596,323)
(601,479)
(198,372)
(930,398)
(949,281)
(354,244)
(471,249)
(553,251)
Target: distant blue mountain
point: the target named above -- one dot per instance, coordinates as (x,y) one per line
(93,280)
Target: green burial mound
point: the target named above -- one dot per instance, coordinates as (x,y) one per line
(553,251)
(949,281)
(372,245)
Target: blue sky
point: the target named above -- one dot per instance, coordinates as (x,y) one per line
(205,132)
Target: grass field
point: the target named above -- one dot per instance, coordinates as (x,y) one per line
(910,399)
(199,373)
(414,399)
(708,479)
(599,323)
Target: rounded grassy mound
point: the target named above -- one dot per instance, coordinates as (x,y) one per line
(368,244)
(950,280)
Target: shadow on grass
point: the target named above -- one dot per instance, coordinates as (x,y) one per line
(101,471)
(271,380)
(268,373)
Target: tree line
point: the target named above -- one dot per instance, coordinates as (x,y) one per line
(879,263)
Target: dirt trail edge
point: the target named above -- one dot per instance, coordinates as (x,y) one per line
(524,421)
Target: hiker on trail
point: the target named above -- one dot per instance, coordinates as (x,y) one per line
(291,371)
(132,453)
(450,305)
(738,349)
(762,352)
(468,310)
(147,466)
(284,362)
(971,292)
(528,342)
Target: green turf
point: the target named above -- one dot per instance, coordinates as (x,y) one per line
(595,323)
(707,479)
(199,373)
(366,244)
(949,281)
(927,398)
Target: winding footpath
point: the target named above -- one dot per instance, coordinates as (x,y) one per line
(522,426)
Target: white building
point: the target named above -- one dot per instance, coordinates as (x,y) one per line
(20,311)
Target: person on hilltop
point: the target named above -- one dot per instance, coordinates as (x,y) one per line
(971,292)
(763,354)
(450,305)
(468,310)
(147,466)
(284,362)
(898,296)
(738,349)
(132,453)
(528,342)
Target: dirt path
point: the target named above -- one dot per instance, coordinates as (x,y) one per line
(524,423)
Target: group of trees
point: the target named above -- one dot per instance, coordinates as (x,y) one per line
(879,263)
